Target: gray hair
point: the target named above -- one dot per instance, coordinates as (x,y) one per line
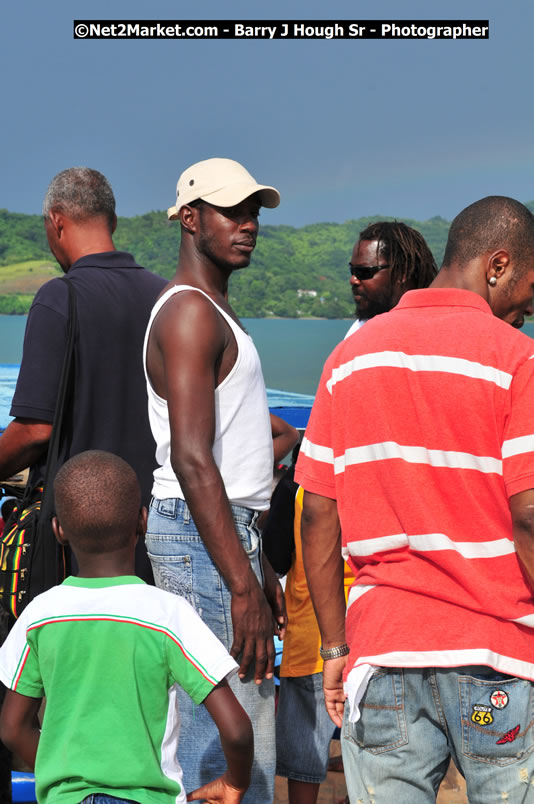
(80,193)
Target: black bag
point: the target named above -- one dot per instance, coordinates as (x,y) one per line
(31,560)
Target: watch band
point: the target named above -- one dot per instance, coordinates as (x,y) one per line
(334,653)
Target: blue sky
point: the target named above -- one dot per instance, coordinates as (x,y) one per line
(342,128)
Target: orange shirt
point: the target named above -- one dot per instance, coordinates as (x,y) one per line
(300,656)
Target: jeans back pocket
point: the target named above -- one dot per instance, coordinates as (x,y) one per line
(496,719)
(382,725)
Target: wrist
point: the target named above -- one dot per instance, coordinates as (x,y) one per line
(234,784)
(244,584)
(335,652)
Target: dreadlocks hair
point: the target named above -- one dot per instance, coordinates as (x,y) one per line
(405,250)
(489,224)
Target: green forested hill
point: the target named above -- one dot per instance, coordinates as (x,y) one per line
(286,262)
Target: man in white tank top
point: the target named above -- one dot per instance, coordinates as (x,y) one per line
(210,419)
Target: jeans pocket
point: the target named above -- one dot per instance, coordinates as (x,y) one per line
(497,717)
(174,574)
(382,725)
(250,539)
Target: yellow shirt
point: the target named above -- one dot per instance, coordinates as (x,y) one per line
(300,656)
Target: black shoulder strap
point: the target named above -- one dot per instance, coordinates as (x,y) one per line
(47,502)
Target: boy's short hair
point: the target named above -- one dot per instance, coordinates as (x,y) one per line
(97,501)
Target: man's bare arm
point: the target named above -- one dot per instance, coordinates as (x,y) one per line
(323,563)
(22,444)
(321,548)
(191,338)
(522,510)
(275,595)
(285,436)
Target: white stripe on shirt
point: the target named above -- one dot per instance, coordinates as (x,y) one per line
(387,450)
(427,542)
(356,593)
(517,446)
(316,452)
(448,365)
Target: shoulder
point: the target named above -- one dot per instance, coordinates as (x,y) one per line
(514,350)
(54,295)
(188,313)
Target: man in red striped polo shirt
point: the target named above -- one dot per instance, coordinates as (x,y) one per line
(421,446)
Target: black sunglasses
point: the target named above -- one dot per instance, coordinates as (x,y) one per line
(363,272)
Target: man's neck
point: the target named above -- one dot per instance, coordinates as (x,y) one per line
(202,273)
(96,247)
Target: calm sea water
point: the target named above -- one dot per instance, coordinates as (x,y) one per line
(292,354)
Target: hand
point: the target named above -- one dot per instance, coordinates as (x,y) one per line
(254,626)
(275,597)
(216,792)
(334,695)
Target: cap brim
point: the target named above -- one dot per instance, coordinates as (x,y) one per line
(235,193)
(230,196)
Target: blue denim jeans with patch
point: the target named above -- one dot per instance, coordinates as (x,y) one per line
(182,565)
(414,720)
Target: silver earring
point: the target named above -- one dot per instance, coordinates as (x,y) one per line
(492,281)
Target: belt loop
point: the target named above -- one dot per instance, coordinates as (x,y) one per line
(187,513)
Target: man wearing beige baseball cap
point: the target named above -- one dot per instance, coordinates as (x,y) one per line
(210,419)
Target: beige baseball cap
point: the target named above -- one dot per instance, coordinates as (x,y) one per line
(221,182)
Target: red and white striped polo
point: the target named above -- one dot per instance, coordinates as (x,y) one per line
(422,428)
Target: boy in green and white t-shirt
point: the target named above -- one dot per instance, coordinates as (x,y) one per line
(108,651)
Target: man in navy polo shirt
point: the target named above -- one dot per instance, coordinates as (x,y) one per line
(114,297)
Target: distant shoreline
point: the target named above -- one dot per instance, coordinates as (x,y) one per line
(255,317)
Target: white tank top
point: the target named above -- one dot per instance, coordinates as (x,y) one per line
(243,447)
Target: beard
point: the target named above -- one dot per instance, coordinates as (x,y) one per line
(367,308)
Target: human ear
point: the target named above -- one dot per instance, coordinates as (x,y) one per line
(497,265)
(58,531)
(55,220)
(142,522)
(188,217)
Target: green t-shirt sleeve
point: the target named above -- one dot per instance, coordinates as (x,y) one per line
(19,661)
(196,659)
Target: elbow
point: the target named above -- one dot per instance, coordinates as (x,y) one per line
(188,464)
(241,736)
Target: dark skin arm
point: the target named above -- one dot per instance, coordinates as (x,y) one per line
(285,436)
(19,727)
(522,510)
(323,563)
(22,444)
(275,595)
(191,351)
(237,742)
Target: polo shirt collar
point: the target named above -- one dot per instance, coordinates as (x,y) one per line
(444,297)
(106,259)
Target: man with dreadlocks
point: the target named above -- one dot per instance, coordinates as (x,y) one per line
(388,259)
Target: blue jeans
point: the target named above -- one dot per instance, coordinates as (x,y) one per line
(413,721)
(100,798)
(182,565)
(303,729)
